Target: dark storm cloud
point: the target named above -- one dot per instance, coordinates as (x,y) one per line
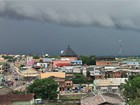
(114,14)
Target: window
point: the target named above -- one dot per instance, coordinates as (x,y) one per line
(68,84)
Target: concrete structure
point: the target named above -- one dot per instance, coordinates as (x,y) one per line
(60,63)
(30,72)
(66,69)
(17,99)
(102,99)
(97,74)
(29,61)
(108,85)
(67,57)
(129,64)
(76,62)
(106,61)
(42,65)
(77,69)
(59,77)
(113,73)
(68,54)
(68,85)
(47,60)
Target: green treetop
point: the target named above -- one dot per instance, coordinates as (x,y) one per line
(44,88)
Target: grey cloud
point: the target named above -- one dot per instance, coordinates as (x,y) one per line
(86,13)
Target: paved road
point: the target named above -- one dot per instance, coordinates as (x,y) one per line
(14,79)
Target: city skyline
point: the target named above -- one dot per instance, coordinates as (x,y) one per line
(90,27)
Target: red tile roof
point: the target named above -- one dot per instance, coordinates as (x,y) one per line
(5,99)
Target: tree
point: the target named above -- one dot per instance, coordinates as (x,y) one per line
(88,74)
(92,60)
(132,89)
(36,57)
(44,88)
(79,79)
(89,60)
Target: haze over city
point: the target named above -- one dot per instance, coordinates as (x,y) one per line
(91,27)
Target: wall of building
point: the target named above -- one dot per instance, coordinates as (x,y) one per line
(106,63)
(117,74)
(23,102)
(69,58)
(98,76)
(45,65)
(68,83)
(103,63)
(60,63)
(112,89)
(76,62)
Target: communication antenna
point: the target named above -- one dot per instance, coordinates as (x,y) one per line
(120,51)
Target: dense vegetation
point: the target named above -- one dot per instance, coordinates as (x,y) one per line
(44,88)
(132,90)
(80,79)
(89,60)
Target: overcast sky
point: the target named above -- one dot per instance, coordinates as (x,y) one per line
(90,27)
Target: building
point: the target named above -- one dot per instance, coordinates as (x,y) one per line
(42,65)
(66,59)
(108,85)
(102,99)
(113,74)
(64,80)
(59,77)
(68,85)
(29,61)
(106,61)
(60,63)
(68,54)
(77,69)
(129,64)
(76,63)
(97,74)
(66,69)
(17,99)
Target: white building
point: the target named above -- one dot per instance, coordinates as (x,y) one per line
(108,85)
